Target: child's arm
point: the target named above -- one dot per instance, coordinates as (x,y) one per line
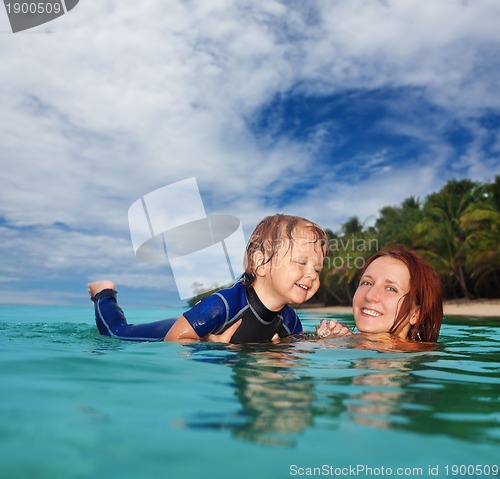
(224,337)
(182,332)
(205,317)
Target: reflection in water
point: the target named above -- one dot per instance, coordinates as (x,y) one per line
(276,399)
(382,392)
(428,389)
(452,389)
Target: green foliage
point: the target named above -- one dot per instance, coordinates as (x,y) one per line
(397,224)
(457,229)
(441,235)
(481,223)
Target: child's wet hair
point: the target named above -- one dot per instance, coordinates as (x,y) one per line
(272,233)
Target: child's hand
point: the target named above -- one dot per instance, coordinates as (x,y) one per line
(327,329)
(224,337)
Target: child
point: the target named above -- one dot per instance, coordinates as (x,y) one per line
(283,260)
(399,294)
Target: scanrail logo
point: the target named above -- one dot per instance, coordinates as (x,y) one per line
(25,14)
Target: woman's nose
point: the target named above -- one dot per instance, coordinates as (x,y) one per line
(372,294)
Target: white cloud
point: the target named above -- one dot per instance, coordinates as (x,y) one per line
(116,99)
(334,203)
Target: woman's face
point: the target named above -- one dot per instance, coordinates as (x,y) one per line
(380,295)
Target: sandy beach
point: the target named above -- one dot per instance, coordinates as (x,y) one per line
(481,307)
(477,308)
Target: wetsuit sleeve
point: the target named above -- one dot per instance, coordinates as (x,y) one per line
(291,323)
(208,316)
(111,321)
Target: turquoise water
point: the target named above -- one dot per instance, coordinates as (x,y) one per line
(78,405)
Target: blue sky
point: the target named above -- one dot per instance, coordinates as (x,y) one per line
(325,109)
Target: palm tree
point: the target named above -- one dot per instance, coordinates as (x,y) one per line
(398,224)
(441,234)
(481,222)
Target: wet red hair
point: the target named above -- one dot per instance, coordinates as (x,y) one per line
(425,293)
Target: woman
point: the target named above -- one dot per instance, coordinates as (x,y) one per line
(399,294)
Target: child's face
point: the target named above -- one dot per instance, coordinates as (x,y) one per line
(293,273)
(380,294)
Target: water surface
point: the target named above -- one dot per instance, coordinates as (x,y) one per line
(79,405)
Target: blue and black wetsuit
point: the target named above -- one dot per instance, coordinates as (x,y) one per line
(212,315)
(111,321)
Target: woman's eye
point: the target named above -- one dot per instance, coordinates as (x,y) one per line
(364,283)
(390,288)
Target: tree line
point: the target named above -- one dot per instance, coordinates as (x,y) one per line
(456,229)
